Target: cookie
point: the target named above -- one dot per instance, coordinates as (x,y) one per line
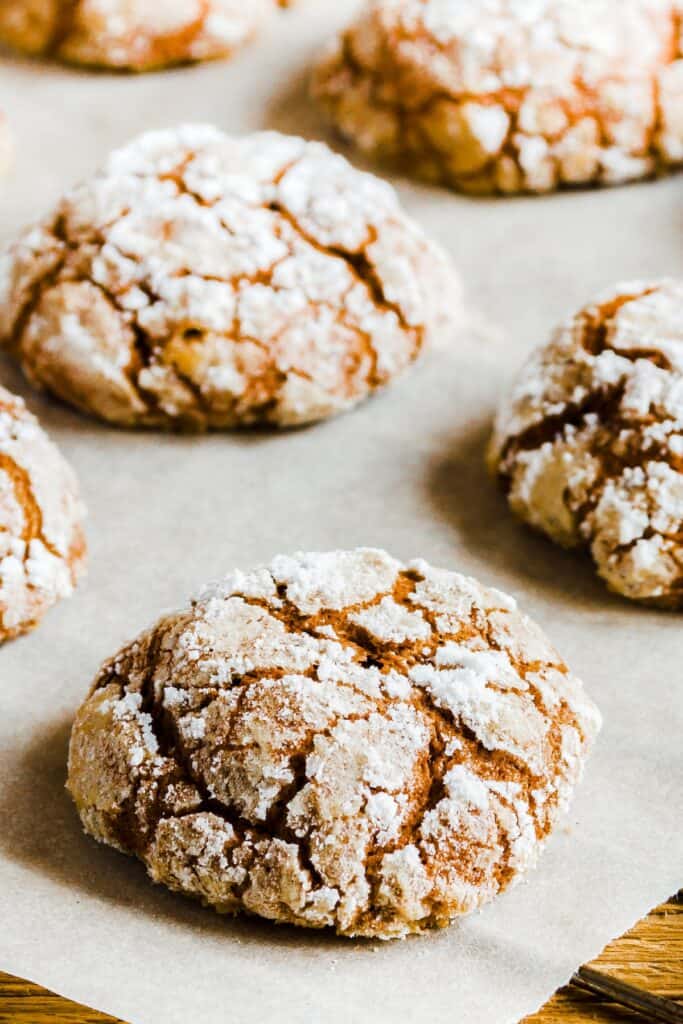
(338,740)
(589,445)
(512,96)
(201,282)
(130,35)
(42,545)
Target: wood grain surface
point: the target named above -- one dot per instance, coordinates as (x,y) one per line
(651,956)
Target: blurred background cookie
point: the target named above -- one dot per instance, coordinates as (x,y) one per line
(336,740)
(42,545)
(589,445)
(509,96)
(201,281)
(132,35)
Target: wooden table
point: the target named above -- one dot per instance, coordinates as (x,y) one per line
(651,956)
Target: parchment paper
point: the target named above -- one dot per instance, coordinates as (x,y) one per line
(404,472)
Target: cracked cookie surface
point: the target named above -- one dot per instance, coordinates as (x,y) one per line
(589,445)
(130,35)
(201,281)
(512,96)
(42,545)
(336,740)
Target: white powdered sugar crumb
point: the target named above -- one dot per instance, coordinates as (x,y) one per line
(47,572)
(383,812)
(129,708)
(251,638)
(334,579)
(391,622)
(195,727)
(484,692)
(485,666)
(463,787)
(173,697)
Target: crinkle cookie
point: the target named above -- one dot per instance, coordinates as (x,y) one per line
(335,740)
(589,446)
(512,95)
(132,35)
(42,545)
(202,281)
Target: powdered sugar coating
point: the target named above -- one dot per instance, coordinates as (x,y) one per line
(42,547)
(337,740)
(512,95)
(590,443)
(135,35)
(201,281)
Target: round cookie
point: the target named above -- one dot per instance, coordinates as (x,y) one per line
(337,740)
(42,545)
(589,445)
(510,96)
(129,35)
(202,282)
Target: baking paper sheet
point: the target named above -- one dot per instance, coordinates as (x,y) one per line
(403,472)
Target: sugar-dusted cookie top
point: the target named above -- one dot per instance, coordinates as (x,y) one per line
(335,740)
(202,281)
(589,444)
(131,35)
(512,95)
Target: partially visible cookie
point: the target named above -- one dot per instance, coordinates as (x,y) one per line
(589,445)
(337,740)
(510,96)
(202,281)
(42,545)
(133,35)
